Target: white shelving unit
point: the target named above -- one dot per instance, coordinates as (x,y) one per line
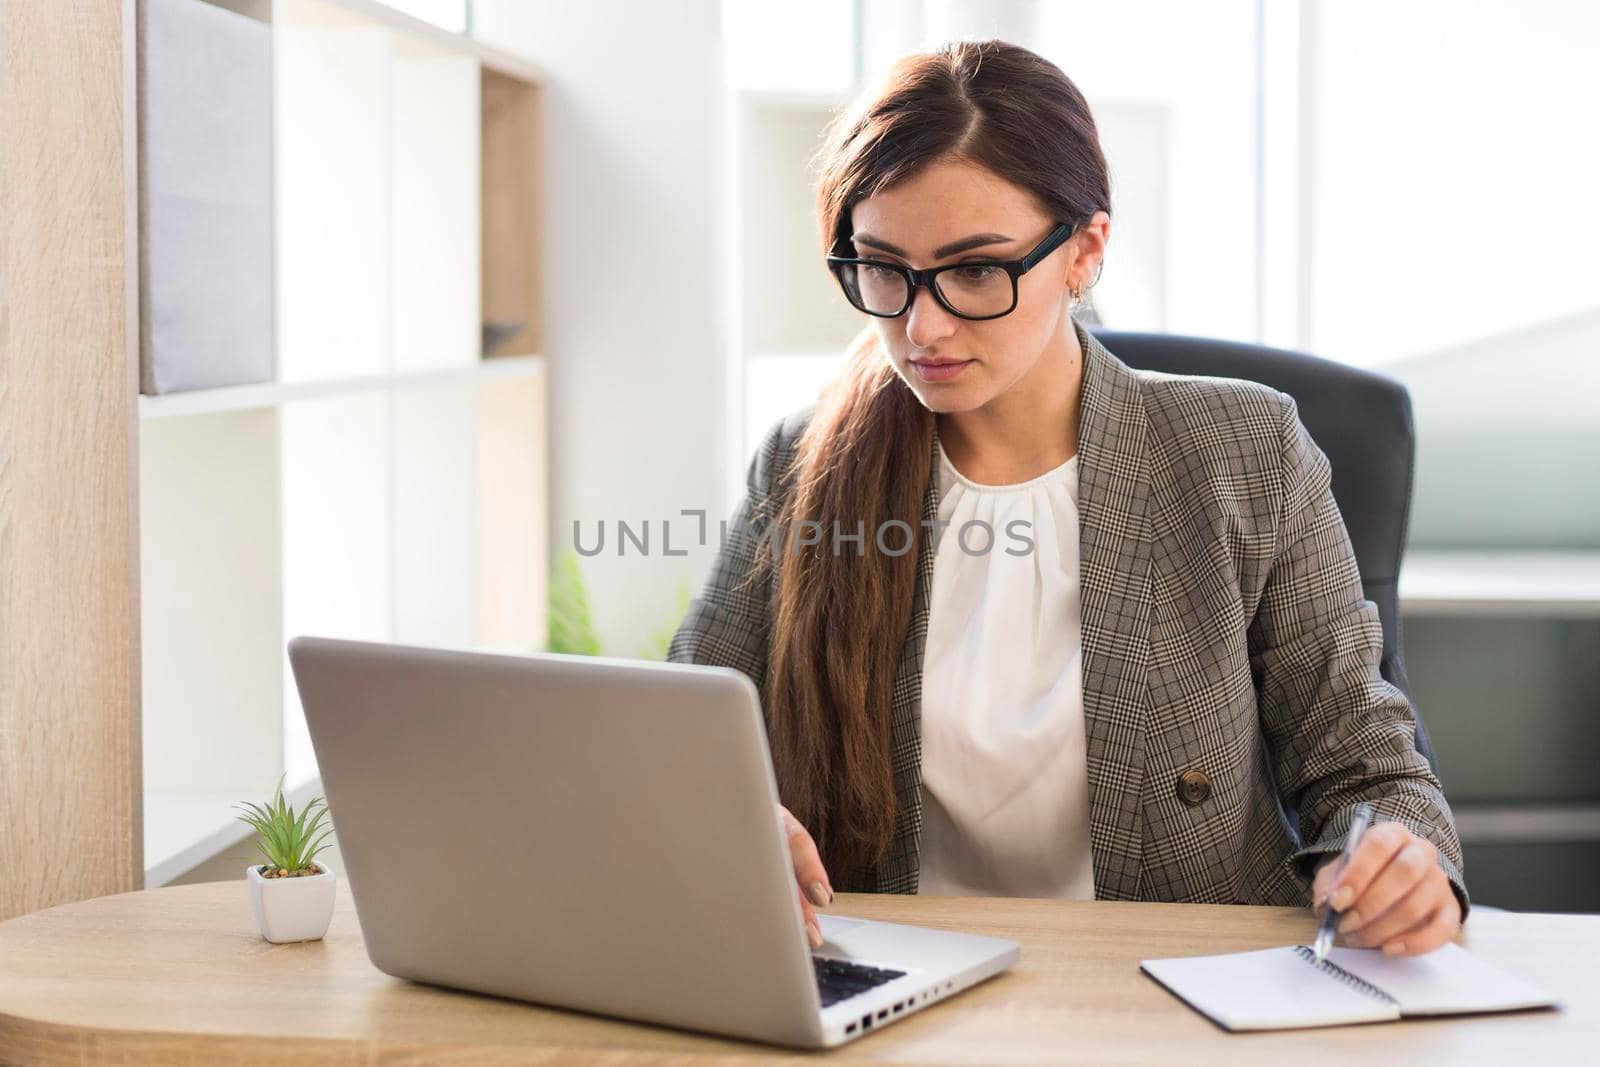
(390,483)
(1490,824)
(276,394)
(788,301)
(1501,584)
(793,324)
(1446,586)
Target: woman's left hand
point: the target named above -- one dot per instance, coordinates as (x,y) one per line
(1393,893)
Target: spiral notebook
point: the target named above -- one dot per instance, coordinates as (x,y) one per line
(1285,988)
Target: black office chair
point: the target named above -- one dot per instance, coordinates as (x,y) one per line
(1361,420)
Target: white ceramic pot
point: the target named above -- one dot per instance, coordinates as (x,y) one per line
(292,909)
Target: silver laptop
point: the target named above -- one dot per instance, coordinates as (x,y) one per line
(596,834)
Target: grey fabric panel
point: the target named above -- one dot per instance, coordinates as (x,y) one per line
(205,196)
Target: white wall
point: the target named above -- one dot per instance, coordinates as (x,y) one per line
(1456,171)
(633,323)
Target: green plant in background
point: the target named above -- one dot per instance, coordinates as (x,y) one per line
(571,622)
(661,642)
(288,841)
(571,625)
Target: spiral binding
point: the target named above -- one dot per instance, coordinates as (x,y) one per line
(1333,970)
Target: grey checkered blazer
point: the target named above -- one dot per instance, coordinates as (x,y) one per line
(1224,631)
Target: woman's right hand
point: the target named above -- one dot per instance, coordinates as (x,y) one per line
(812,878)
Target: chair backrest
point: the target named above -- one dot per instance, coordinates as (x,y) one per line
(1360,420)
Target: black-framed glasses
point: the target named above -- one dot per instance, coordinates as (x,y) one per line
(976,289)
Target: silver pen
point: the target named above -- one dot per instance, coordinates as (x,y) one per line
(1358,826)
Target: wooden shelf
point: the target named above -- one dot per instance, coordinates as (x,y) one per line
(373,12)
(510,167)
(274,394)
(1504,584)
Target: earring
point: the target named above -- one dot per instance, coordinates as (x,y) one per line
(1077,295)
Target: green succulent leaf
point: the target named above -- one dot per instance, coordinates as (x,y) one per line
(287,839)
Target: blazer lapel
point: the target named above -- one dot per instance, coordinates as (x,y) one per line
(1115,550)
(1115,539)
(898,873)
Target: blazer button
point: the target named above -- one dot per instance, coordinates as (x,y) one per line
(1193,787)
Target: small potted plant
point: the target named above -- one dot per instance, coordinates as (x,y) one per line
(291,893)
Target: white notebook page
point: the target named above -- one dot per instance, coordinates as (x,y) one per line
(1268,989)
(1447,980)
(1281,988)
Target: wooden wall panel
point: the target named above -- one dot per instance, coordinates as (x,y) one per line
(70,787)
(512,248)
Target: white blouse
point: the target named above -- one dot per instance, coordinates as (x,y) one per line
(1005,789)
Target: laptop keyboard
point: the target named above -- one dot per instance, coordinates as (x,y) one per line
(840,979)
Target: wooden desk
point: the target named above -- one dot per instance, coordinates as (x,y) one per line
(180,975)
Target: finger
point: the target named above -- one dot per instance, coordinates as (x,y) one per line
(1408,888)
(807,866)
(807,912)
(1322,884)
(1441,926)
(1404,893)
(813,928)
(1376,848)
(808,870)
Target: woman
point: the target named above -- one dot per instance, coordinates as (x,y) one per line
(1026,621)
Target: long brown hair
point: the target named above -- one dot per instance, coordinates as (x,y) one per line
(839,619)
